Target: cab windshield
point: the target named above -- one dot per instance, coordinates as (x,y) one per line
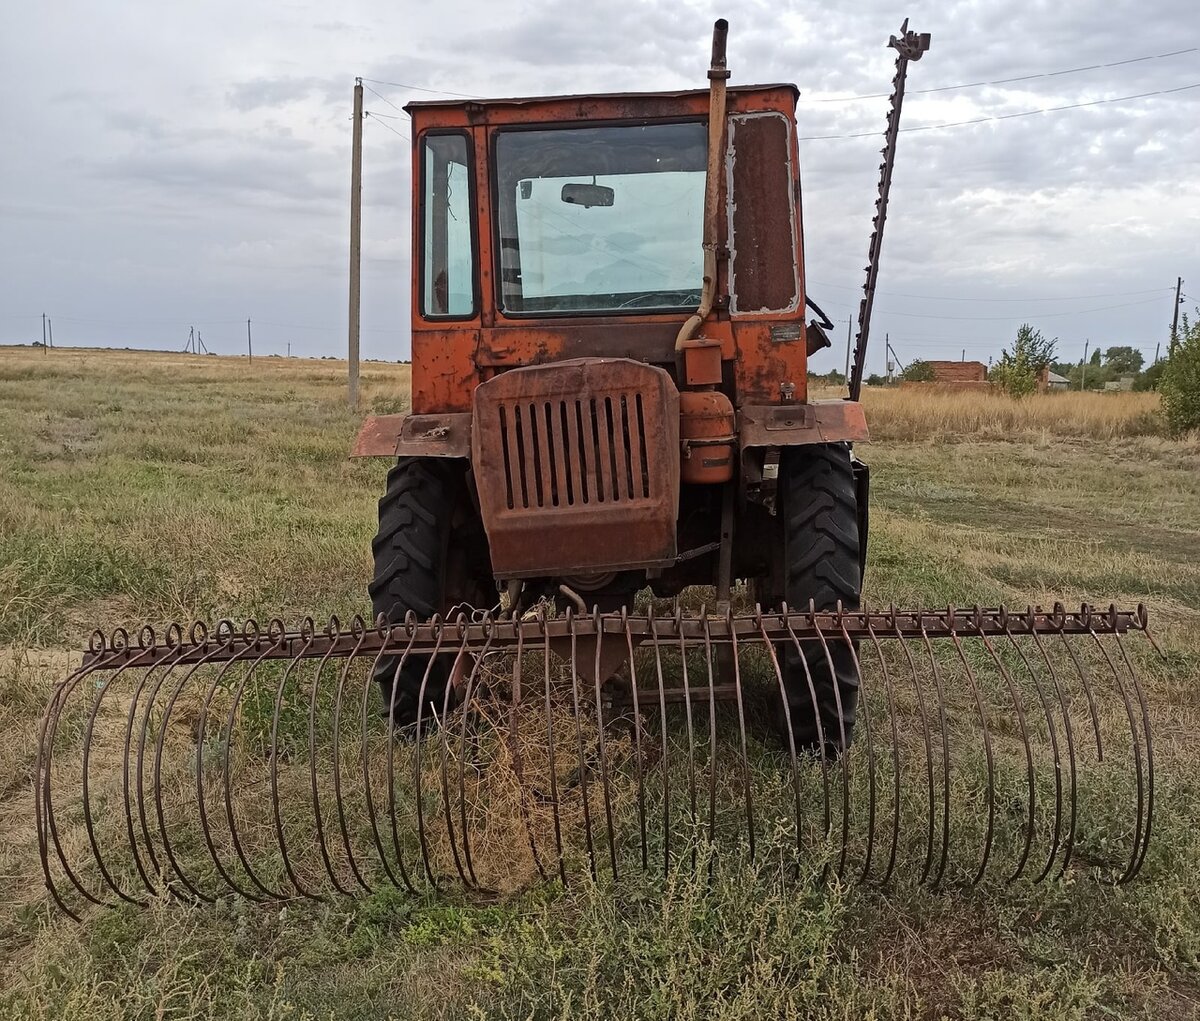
(605,219)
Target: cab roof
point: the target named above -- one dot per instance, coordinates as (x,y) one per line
(424,104)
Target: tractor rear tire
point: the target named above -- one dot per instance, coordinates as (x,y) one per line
(821,562)
(417,569)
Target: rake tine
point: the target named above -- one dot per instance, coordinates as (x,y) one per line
(572,628)
(741,712)
(1019,705)
(637,738)
(514,737)
(1058,797)
(989,833)
(359,631)
(843,746)
(891,703)
(439,631)
(691,740)
(127,794)
(787,719)
(1072,789)
(460,622)
(866,715)
(250,633)
(920,692)
(276,808)
(159,744)
(468,690)
(275,633)
(941,705)
(89,821)
(662,711)
(385,631)
(598,625)
(410,628)
(1141,697)
(1059,617)
(712,742)
(558,844)
(1131,868)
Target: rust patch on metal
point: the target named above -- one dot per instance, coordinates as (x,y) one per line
(577,465)
(789,425)
(414,436)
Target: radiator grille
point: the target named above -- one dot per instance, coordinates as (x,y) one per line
(574,452)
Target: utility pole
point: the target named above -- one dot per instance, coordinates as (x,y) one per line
(1175,317)
(355,238)
(1156,347)
(289,349)
(1083,365)
(200,348)
(964,355)
(249,344)
(50,327)
(44,348)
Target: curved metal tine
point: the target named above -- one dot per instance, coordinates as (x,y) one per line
(332,630)
(939,688)
(637,742)
(712,743)
(1058,791)
(843,746)
(1019,705)
(89,821)
(1068,731)
(598,624)
(583,766)
(1084,679)
(787,715)
(558,844)
(250,647)
(227,764)
(438,628)
(891,704)
(1131,868)
(159,745)
(989,754)
(411,629)
(444,755)
(666,765)
(127,796)
(741,712)
(385,632)
(791,733)
(514,737)
(45,804)
(356,626)
(468,691)
(920,691)
(866,715)
(276,810)
(691,740)
(1141,697)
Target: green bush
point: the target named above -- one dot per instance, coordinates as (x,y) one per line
(1180,384)
(918,372)
(1017,371)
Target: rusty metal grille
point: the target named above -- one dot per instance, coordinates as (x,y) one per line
(568,452)
(577,466)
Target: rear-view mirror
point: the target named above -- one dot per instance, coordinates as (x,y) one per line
(587,195)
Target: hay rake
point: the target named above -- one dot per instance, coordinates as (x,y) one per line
(265,762)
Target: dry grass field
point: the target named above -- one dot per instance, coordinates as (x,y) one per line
(152,487)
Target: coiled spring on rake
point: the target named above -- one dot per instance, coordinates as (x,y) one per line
(205,764)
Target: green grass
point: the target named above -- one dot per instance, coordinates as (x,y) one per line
(148,487)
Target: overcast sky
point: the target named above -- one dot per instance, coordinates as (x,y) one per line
(188,163)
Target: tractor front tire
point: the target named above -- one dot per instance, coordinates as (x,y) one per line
(417,569)
(821,564)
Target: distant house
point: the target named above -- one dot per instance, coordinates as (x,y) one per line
(1056,382)
(956,376)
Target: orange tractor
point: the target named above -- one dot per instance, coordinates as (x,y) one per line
(610,341)
(610,369)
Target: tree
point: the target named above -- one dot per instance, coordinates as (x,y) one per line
(1017,371)
(1095,359)
(1124,360)
(876,380)
(918,372)
(1150,379)
(1180,384)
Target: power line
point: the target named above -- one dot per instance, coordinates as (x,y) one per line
(1008,81)
(1008,116)
(1040,315)
(380,95)
(418,88)
(385,124)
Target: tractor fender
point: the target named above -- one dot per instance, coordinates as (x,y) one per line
(447,435)
(791,425)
